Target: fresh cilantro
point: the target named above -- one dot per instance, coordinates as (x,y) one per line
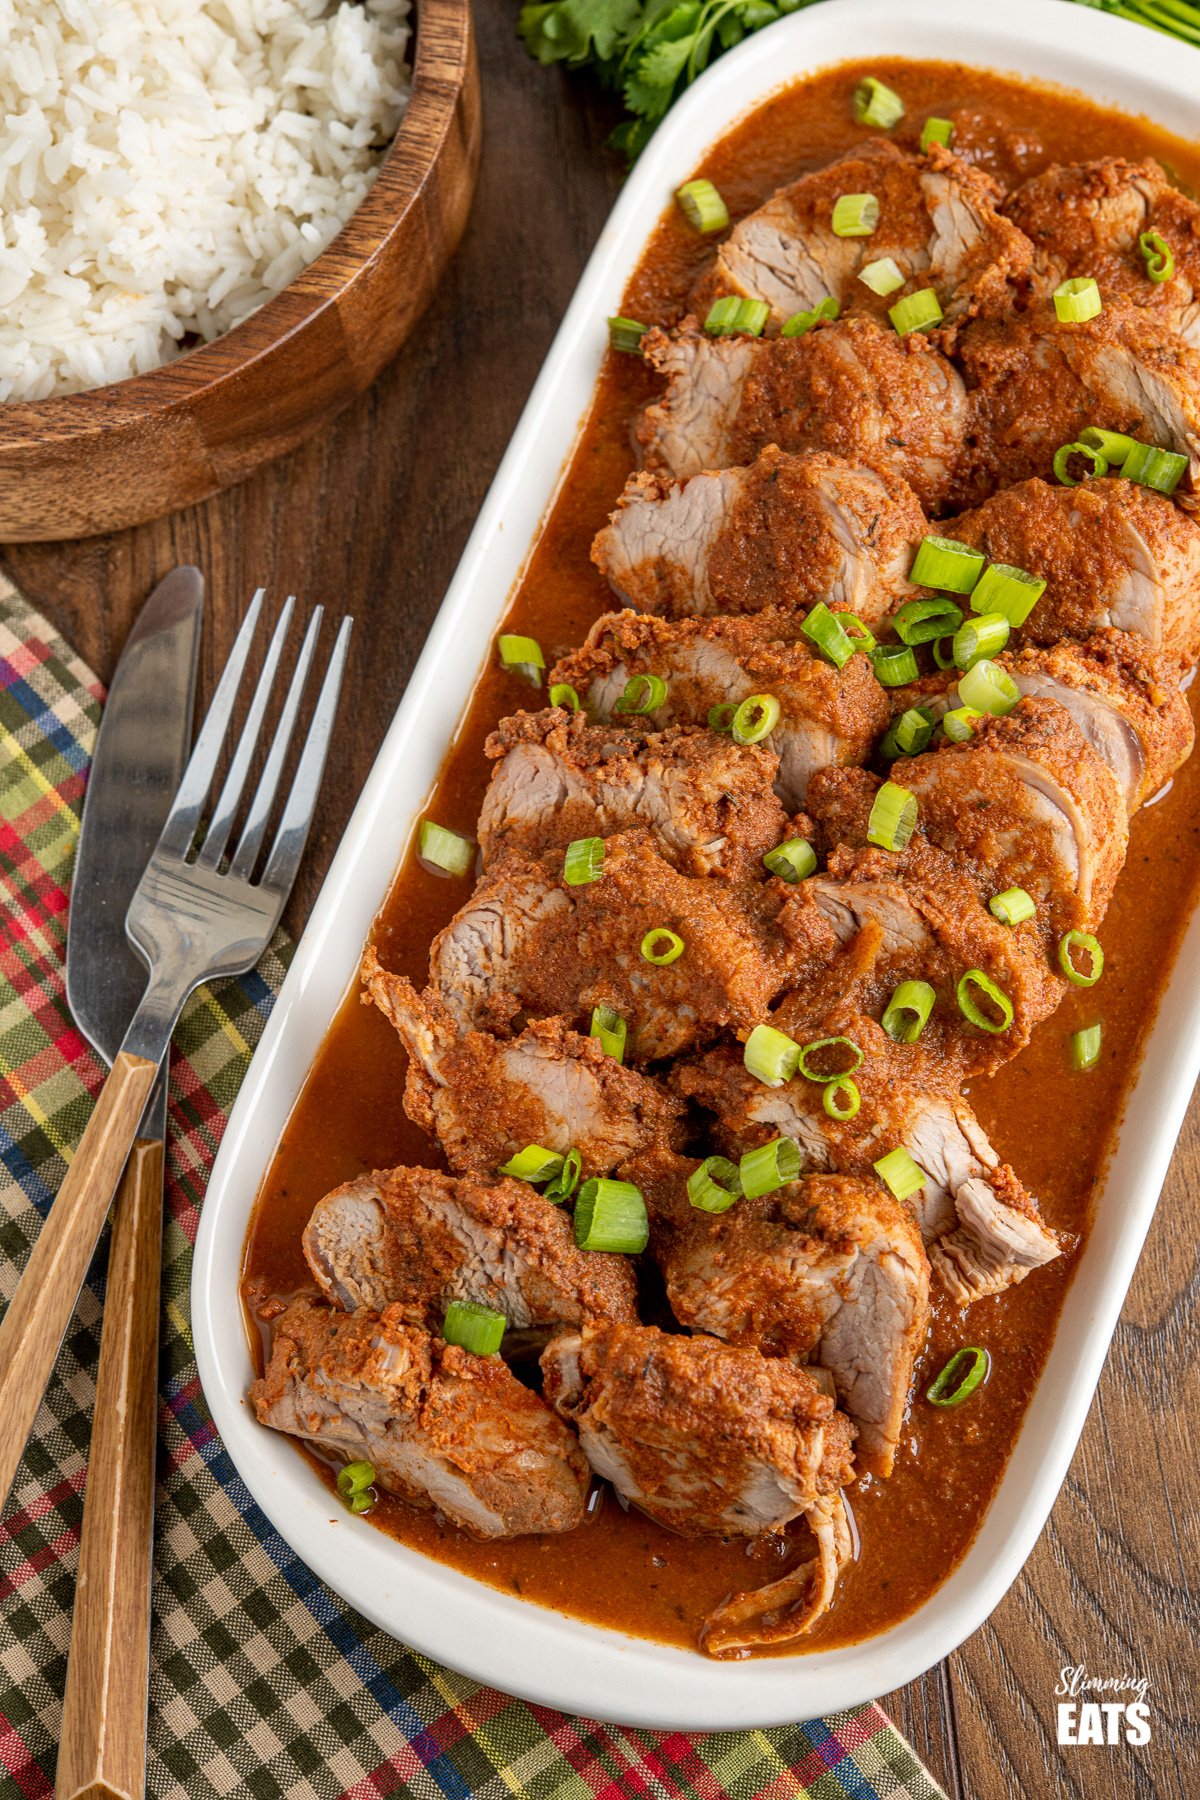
(650,50)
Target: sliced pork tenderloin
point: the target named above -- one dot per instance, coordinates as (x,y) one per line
(417,1239)
(783,534)
(529,942)
(938,220)
(853,388)
(827,715)
(443,1429)
(1086,218)
(484,1098)
(1112,553)
(713,1439)
(829,1270)
(1035,383)
(709,802)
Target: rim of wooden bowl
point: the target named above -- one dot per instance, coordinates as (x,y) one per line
(442,32)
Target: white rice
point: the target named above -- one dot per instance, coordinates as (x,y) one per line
(168,165)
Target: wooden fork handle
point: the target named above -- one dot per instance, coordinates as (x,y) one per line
(40,1310)
(102,1750)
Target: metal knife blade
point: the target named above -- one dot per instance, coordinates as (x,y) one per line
(141,749)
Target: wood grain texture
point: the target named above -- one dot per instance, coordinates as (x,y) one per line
(373,513)
(40,1310)
(96,461)
(102,1751)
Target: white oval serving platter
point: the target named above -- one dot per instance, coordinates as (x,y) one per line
(495,1637)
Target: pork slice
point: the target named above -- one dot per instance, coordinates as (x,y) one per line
(689,430)
(785,1609)
(485,1099)
(704,1437)
(419,1239)
(442,1428)
(709,802)
(829,1270)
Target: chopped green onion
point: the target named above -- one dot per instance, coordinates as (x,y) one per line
(661,946)
(995,996)
(841,1099)
(916,312)
(894,664)
(988,689)
(920,621)
(945,563)
(957,723)
(1062,462)
(883,276)
(445,849)
(610,1031)
(1077,300)
(826,631)
(1154,468)
(769,1167)
(355,1478)
(642,694)
(1114,446)
(479,1329)
(626,334)
(720,718)
(792,861)
(534,1163)
(967,1369)
(1085,1047)
(802,322)
(611,1215)
(702,205)
(755,719)
(840,1044)
(771,1056)
(855,215)
(733,316)
(943,652)
(983,636)
(877,105)
(714,1186)
(1007,590)
(854,628)
(1157,256)
(909,734)
(1084,942)
(1012,906)
(936,131)
(361,1503)
(893,817)
(563,694)
(908,1011)
(567,1179)
(900,1173)
(583,862)
(522,656)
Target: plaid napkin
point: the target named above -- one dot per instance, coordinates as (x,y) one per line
(262,1680)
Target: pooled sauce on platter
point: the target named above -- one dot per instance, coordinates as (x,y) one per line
(1056,1127)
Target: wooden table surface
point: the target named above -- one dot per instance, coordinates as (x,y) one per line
(373,515)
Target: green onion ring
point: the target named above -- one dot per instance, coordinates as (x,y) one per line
(830,1043)
(1080,940)
(643,694)
(972,1011)
(714,1186)
(841,1099)
(657,936)
(769,1167)
(967,1369)
(755,719)
(908,1010)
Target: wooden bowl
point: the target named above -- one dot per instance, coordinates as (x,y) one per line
(118,455)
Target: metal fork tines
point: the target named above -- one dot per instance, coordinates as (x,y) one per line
(192,918)
(197,913)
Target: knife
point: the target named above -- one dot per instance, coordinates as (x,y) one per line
(141,749)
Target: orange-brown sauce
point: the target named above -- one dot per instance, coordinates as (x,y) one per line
(1053,1125)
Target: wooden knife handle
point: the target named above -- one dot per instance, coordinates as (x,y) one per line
(40,1310)
(102,1751)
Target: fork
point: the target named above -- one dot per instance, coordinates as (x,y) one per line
(192,920)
